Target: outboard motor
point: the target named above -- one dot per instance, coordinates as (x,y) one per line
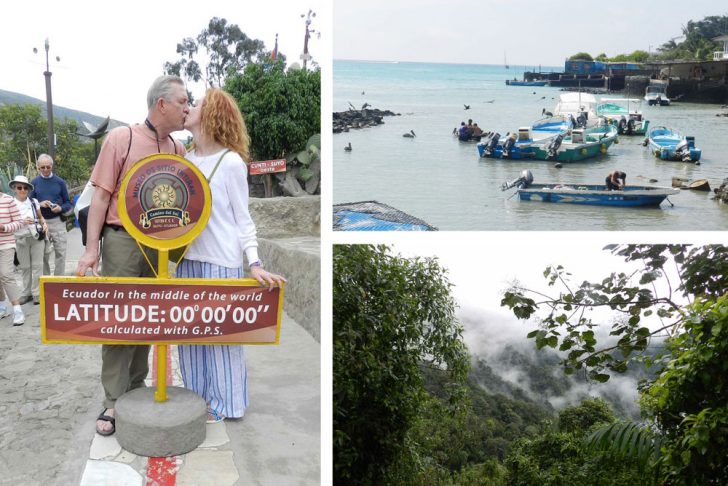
(523,181)
(630,126)
(581,120)
(682,151)
(491,144)
(508,145)
(622,127)
(554,145)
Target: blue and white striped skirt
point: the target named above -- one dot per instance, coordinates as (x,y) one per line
(215,372)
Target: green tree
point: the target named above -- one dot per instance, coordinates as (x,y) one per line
(560,455)
(24,136)
(687,402)
(392,315)
(227,50)
(282,108)
(581,56)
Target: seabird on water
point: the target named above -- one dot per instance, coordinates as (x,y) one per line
(411,134)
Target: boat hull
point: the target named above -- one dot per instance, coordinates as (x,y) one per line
(663,143)
(598,141)
(596,195)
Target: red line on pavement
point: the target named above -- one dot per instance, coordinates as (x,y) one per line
(161,471)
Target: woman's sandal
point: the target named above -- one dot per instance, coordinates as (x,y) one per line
(106,418)
(213,417)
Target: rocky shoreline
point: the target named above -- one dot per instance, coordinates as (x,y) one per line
(344,121)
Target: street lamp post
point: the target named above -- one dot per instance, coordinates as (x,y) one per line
(49,102)
(306,56)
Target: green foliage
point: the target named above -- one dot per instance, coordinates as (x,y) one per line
(581,56)
(392,315)
(698,43)
(24,136)
(633,441)
(305,165)
(282,108)
(590,413)
(227,48)
(560,456)
(688,400)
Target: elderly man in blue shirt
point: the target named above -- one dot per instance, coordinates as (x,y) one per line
(52,193)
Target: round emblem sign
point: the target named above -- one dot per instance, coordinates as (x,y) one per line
(164,201)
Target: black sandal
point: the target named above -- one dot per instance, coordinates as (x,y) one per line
(106,418)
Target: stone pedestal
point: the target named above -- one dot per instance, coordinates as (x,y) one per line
(149,428)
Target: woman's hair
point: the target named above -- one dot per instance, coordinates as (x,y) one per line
(221,120)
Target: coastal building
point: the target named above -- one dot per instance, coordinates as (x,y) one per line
(721,55)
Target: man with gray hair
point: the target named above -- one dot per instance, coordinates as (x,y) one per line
(52,195)
(125,367)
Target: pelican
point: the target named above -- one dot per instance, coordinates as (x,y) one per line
(411,134)
(546,113)
(351,107)
(364,106)
(348,147)
(467,107)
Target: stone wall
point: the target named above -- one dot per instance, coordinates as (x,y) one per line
(289,243)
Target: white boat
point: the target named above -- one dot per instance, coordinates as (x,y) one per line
(656,94)
(579,107)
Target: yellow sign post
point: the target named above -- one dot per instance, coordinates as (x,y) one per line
(162,190)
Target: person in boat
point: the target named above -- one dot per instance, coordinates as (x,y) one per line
(477,132)
(616,180)
(464,132)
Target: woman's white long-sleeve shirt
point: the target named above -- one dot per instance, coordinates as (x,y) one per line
(230,232)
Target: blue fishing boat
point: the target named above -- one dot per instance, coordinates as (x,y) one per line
(669,144)
(522,145)
(588,194)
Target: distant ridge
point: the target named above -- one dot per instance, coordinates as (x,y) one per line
(59,112)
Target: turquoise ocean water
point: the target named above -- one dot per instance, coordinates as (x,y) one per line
(444,182)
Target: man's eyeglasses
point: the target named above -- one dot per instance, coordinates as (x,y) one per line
(22,188)
(45,167)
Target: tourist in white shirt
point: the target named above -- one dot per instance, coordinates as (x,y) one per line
(217,372)
(27,245)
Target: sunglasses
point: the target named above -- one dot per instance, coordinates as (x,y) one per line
(22,188)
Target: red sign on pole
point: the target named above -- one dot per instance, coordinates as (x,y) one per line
(160,311)
(267,167)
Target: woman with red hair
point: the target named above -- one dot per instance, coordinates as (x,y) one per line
(221,151)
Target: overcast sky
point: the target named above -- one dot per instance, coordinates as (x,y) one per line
(111,51)
(529,32)
(482,265)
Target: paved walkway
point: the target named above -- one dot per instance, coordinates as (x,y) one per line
(50,396)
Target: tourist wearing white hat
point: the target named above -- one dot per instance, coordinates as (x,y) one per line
(29,240)
(10,222)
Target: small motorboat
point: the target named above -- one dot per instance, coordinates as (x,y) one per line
(515,82)
(579,144)
(668,144)
(656,94)
(625,114)
(588,194)
(522,145)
